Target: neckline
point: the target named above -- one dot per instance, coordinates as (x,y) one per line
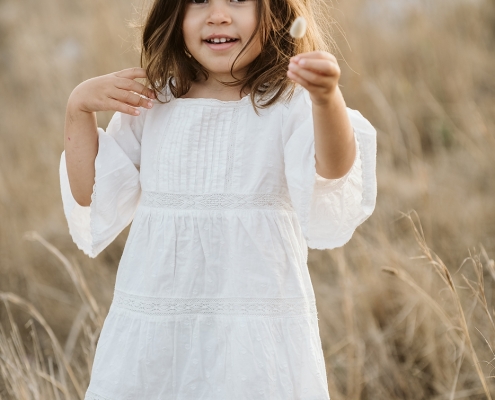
(209,100)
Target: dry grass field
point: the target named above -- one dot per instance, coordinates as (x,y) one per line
(406,308)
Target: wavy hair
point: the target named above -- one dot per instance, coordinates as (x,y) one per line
(166,60)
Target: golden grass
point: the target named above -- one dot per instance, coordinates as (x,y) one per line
(406,309)
(27,378)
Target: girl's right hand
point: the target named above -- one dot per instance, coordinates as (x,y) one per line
(117,91)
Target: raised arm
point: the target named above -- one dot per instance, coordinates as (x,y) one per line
(319,73)
(117,91)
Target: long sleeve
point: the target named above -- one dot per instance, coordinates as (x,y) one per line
(329,210)
(116,191)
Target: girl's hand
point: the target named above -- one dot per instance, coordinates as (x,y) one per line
(117,91)
(318,72)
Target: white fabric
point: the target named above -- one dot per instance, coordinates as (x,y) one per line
(213,298)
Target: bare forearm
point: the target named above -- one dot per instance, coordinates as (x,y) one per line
(334,138)
(117,91)
(81,148)
(335,148)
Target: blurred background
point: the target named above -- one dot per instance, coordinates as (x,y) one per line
(405,308)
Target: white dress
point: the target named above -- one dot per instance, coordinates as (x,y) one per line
(213,298)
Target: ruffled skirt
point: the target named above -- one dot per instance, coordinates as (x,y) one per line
(204,309)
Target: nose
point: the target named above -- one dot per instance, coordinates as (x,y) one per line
(218,13)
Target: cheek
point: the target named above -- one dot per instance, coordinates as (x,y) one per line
(255,47)
(188,30)
(185,34)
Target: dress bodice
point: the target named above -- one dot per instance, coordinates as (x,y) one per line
(199,146)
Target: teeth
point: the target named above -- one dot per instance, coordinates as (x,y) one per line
(220,40)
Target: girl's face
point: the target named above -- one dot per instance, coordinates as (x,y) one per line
(215,31)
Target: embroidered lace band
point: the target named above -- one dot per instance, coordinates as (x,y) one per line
(216,201)
(269,307)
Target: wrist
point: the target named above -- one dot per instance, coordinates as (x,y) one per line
(76,117)
(329,100)
(76,104)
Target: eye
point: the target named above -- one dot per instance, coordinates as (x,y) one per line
(198,1)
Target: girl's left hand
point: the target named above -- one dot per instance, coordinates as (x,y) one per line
(318,72)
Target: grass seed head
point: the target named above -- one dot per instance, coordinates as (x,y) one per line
(298,28)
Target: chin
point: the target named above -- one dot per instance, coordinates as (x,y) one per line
(220,71)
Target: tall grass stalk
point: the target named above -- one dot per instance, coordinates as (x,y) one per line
(458,326)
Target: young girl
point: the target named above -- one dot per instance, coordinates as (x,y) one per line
(236,155)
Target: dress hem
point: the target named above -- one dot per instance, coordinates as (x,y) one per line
(90,395)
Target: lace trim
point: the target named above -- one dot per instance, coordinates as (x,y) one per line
(269,307)
(216,201)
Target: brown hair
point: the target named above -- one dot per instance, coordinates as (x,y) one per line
(164,54)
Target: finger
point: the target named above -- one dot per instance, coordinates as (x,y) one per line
(132,73)
(303,82)
(312,77)
(116,105)
(131,98)
(131,85)
(323,67)
(318,54)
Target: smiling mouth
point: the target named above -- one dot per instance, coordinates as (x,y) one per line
(221,40)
